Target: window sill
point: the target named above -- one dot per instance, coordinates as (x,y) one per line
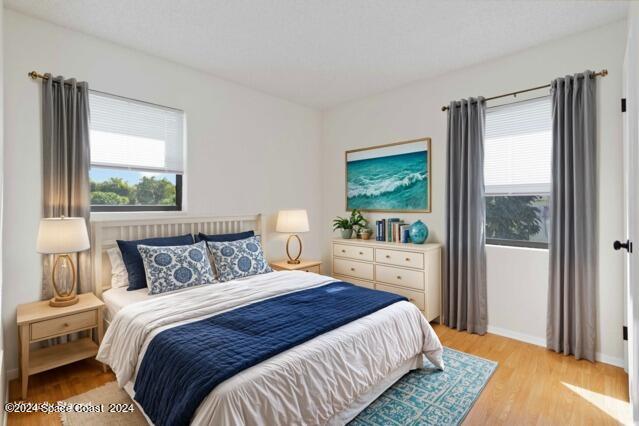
(519,248)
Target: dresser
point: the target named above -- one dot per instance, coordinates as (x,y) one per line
(410,270)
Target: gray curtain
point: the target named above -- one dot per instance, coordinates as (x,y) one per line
(65,164)
(464,293)
(571,326)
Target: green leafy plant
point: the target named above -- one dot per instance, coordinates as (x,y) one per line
(341,223)
(356,221)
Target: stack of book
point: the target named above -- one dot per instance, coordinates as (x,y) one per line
(392,230)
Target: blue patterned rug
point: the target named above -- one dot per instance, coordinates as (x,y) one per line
(429,396)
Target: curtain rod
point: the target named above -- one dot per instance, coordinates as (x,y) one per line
(601,73)
(36,75)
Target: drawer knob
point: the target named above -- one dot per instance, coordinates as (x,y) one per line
(361,253)
(343,251)
(65,324)
(388,256)
(410,299)
(399,277)
(353,269)
(408,259)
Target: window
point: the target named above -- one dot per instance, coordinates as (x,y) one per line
(517,162)
(136,155)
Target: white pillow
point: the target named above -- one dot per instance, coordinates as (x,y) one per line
(119,274)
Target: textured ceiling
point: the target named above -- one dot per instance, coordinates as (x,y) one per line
(324,52)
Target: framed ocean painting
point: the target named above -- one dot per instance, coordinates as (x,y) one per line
(390,178)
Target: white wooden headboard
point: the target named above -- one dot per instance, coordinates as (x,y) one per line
(104,236)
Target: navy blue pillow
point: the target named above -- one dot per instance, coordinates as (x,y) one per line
(133,260)
(223,238)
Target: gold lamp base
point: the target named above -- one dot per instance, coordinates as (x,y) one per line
(293,260)
(63,297)
(59,302)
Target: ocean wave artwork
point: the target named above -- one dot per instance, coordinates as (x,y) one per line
(394,177)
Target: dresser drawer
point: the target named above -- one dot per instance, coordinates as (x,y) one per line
(415,297)
(353,269)
(399,276)
(353,252)
(63,325)
(400,258)
(361,283)
(315,269)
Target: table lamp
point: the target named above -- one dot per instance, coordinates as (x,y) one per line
(61,236)
(292,222)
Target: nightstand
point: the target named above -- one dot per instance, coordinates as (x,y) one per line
(304,265)
(38,321)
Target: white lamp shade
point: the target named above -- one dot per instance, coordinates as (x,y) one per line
(292,221)
(62,235)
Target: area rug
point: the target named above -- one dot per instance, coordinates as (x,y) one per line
(422,397)
(429,396)
(104,396)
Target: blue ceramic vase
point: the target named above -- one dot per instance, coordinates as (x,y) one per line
(418,232)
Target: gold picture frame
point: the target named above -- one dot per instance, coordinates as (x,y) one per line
(410,147)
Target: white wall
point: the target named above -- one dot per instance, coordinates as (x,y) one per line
(517,278)
(247,152)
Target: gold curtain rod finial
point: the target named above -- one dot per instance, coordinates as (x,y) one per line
(33,75)
(604,73)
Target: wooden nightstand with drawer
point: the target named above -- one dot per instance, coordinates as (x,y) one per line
(38,321)
(304,265)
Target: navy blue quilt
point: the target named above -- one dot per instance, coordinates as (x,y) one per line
(182,365)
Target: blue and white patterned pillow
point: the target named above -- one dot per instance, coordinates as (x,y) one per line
(238,259)
(175,267)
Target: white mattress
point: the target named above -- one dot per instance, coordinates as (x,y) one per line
(117,298)
(335,374)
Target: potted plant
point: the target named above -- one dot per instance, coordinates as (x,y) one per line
(347,224)
(359,222)
(344,224)
(364,233)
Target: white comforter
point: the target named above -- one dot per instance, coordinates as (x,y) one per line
(308,384)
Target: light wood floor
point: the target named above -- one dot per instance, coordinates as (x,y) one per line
(532,386)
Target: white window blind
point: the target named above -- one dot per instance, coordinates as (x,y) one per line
(128,134)
(518,148)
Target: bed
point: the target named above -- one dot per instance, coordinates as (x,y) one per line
(328,379)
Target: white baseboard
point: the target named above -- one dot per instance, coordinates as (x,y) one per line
(539,341)
(607,359)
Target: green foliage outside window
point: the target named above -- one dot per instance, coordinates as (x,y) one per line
(148,191)
(108,198)
(514,217)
